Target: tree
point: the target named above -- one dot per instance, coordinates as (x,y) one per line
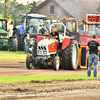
(6,9)
(15,9)
(1,7)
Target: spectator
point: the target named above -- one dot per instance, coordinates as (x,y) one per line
(27,43)
(43,31)
(93,47)
(55,34)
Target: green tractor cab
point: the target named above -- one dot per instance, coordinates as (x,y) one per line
(6,42)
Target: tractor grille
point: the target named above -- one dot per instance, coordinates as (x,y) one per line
(41,47)
(41,50)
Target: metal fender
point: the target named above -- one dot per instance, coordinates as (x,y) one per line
(65,43)
(21,29)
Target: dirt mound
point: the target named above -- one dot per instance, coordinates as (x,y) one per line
(55,90)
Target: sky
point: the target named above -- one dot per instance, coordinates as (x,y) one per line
(25,1)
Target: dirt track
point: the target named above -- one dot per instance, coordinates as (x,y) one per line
(55,90)
(19,69)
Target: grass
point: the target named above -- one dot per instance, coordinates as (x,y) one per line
(9,56)
(11,52)
(25,79)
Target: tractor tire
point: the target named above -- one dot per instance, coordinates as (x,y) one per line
(5,48)
(18,36)
(56,63)
(29,63)
(70,56)
(14,44)
(19,41)
(34,54)
(34,51)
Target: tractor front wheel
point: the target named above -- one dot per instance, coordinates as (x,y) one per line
(5,48)
(29,63)
(56,63)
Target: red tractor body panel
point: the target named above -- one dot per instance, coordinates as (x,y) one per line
(52,47)
(65,43)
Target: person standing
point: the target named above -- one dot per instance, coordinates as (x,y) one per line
(93,46)
(27,43)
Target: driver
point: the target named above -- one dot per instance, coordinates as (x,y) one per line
(43,31)
(55,34)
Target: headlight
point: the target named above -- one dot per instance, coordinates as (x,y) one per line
(44,52)
(39,52)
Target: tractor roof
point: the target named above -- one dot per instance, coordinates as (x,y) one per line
(3,18)
(34,15)
(69,19)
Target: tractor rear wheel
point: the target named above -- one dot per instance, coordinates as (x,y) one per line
(70,56)
(13,44)
(16,34)
(29,63)
(19,41)
(56,63)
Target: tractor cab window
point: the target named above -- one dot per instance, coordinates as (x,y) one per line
(24,24)
(70,26)
(3,24)
(34,24)
(94,29)
(80,26)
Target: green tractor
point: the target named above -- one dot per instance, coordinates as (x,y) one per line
(6,40)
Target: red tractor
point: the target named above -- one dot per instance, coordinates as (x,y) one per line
(45,51)
(78,30)
(93,24)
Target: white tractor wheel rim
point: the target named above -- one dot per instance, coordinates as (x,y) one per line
(57,64)
(74,54)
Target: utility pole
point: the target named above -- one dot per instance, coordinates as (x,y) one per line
(6,9)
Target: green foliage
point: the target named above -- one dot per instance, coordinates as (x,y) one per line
(10,17)
(1,16)
(21,79)
(15,9)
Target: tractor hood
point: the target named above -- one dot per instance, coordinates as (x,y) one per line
(3,31)
(47,47)
(46,42)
